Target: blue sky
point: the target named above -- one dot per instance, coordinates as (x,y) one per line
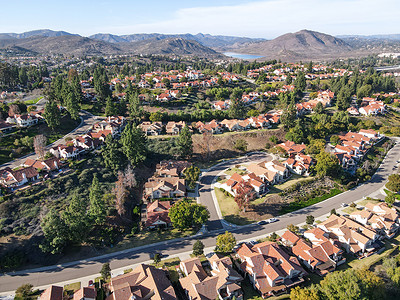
(266,19)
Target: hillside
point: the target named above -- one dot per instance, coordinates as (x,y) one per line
(77,45)
(208,40)
(175,46)
(304,44)
(66,44)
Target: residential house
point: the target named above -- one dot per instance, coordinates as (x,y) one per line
(86,293)
(174,128)
(292,148)
(356,238)
(270,270)
(151,128)
(66,151)
(22,120)
(232,125)
(144,282)
(50,164)
(222,284)
(299,164)
(52,293)
(164,187)
(14,178)
(172,168)
(157,214)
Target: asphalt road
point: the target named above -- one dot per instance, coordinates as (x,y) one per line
(74,270)
(207,178)
(87,121)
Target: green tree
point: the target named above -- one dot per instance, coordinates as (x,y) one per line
(241,145)
(300,82)
(310,220)
(72,104)
(105,271)
(157,259)
(185,215)
(327,165)
(293,228)
(192,175)
(198,248)
(55,233)
(185,143)
(236,109)
(75,217)
(135,109)
(273,139)
(225,242)
(319,108)
(289,115)
(52,114)
(299,293)
(25,291)
(334,139)
(393,183)
(112,155)
(156,116)
(110,109)
(97,209)
(390,199)
(134,142)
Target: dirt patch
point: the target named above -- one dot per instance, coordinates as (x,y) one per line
(222,146)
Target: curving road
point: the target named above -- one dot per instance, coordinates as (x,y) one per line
(87,121)
(75,270)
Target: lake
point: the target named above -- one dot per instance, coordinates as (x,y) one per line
(241,56)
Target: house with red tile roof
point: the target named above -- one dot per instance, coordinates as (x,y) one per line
(144,282)
(224,282)
(157,214)
(151,128)
(359,239)
(164,187)
(52,293)
(269,268)
(86,293)
(292,148)
(14,178)
(50,164)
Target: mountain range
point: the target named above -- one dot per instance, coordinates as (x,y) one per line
(301,45)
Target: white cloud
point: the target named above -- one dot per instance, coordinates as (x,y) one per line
(269,19)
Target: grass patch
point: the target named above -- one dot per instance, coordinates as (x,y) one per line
(150,237)
(202,257)
(229,209)
(366,201)
(349,210)
(171,264)
(301,204)
(33,101)
(232,171)
(72,287)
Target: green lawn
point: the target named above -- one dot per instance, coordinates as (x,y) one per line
(232,171)
(366,201)
(33,101)
(171,264)
(229,209)
(72,287)
(349,210)
(150,237)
